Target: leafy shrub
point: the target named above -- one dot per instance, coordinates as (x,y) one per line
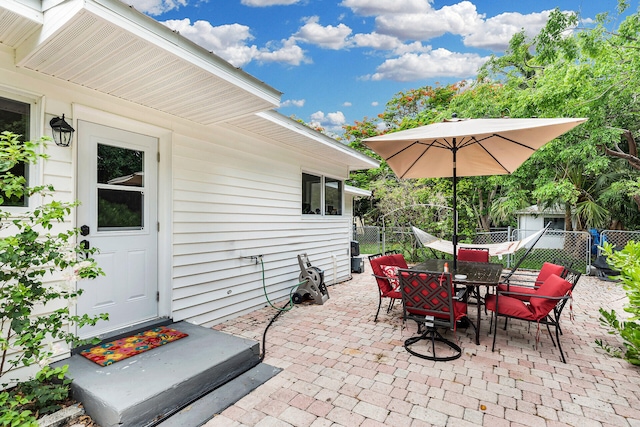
(31,258)
(27,401)
(627,261)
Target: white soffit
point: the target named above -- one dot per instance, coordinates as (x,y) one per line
(284,130)
(109,47)
(17,22)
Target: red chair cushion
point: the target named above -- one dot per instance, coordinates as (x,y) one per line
(398,260)
(391,271)
(529,290)
(547,270)
(475,255)
(393,294)
(554,286)
(509,306)
(386,288)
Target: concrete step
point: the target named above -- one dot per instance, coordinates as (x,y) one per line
(206,407)
(144,389)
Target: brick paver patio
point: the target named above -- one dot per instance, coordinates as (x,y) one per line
(342,369)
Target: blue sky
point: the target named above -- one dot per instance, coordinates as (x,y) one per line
(338,61)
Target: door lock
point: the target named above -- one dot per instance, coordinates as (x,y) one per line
(84,230)
(84,245)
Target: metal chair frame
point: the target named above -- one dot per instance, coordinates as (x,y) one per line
(427,299)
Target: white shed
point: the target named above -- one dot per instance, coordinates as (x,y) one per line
(534,218)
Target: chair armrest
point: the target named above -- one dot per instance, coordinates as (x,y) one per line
(509,293)
(567,296)
(461,295)
(532,285)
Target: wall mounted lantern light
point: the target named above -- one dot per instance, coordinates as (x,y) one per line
(62,131)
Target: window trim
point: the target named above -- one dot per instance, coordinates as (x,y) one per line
(323,187)
(35,131)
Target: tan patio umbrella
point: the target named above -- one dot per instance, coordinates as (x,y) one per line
(466,147)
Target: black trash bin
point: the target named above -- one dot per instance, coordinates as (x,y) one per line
(357,264)
(355,248)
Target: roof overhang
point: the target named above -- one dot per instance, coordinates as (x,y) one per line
(536,210)
(110,47)
(355,191)
(301,138)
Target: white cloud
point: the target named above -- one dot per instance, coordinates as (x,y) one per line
(155,7)
(263,3)
(389,43)
(331,121)
(377,41)
(375,103)
(377,7)
(495,32)
(293,103)
(437,63)
(231,43)
(328,37)
(456,19)
(418,21)
(287,52)
(347,104)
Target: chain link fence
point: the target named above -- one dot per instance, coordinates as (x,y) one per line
(618,238)
(369,239)
(569,248)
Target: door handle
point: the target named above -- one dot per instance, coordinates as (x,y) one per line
(85,245)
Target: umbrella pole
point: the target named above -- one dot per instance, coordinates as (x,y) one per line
(455,209)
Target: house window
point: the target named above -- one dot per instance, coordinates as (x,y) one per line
(321,195)
(15,118)
(332,196)
(556,223)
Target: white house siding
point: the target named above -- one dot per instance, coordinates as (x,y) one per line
(236,198)
(225,194)
(57,170)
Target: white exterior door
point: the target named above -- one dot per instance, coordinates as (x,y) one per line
(117,189)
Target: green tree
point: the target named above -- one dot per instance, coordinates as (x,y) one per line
(587,74)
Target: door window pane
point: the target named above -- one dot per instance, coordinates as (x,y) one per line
(120,166)
(118,209)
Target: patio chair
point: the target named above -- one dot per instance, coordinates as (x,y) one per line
(544,307)
(473,254)
(427,299)
(523,289)
(385,270)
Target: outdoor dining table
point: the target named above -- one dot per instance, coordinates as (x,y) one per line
(473,275)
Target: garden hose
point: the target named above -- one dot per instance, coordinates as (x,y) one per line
(288,306)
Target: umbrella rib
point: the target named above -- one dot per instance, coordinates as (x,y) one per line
(497,135)
(479,142)
(417,157)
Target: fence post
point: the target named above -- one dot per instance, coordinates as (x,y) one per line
(384,238)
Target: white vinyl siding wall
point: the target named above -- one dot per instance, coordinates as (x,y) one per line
(230,205)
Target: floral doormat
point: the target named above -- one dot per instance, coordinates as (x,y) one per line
(114,351)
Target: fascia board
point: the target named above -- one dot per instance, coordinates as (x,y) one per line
(316,136)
